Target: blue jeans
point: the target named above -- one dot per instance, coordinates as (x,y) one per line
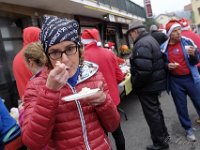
(181,86)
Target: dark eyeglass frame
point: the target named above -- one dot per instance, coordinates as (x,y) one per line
(65,52)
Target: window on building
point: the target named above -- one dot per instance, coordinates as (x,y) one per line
(12,43)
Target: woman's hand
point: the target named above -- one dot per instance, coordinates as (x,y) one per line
(57,77)
(96,99)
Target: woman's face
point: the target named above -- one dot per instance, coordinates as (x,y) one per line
(69,57)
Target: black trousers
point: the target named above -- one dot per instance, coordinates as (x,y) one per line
(119,138)
(154,117)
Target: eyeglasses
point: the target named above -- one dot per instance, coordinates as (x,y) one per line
(69,50)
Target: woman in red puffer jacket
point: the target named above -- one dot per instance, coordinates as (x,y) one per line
(49,121)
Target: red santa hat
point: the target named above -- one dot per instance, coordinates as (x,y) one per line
(90,35)
(162,28)
(184,24)
(111,44)
(171,25)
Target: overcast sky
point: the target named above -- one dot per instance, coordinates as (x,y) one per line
(163,6)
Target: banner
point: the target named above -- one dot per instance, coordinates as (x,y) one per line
(147,5)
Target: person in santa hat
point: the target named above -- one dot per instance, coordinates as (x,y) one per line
(110,46)
(110,70)
(187,32)
(181,57)
(22,74)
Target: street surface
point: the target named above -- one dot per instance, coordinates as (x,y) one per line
(136,130)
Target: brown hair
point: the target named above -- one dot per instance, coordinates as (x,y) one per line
(35,52)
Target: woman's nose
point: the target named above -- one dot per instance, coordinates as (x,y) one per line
(64,57)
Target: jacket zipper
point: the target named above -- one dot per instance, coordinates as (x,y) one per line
(85,137)
(107,144)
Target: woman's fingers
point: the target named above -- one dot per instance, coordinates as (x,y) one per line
(97,99)
(64,77)
(58,76)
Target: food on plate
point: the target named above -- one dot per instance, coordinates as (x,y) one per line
(85,92)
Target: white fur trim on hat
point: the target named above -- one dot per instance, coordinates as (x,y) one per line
(87,41)
(172,28)
(185,28)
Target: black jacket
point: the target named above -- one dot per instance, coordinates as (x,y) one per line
(159,36)
(147,65)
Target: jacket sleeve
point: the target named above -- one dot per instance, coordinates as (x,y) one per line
(108,113)
(193,59)
(6,121)
(40,105)
(141,66)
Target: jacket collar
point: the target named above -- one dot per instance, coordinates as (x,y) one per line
(87,70)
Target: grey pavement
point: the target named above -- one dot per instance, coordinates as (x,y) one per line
(136,130)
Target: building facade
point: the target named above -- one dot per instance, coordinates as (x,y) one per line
(196,13)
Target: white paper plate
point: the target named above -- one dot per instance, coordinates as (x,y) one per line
(78,96)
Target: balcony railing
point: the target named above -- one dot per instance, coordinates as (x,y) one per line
(125,5)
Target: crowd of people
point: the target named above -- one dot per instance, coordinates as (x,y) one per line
(56,62)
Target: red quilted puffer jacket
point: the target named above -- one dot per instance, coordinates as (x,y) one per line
(53,124)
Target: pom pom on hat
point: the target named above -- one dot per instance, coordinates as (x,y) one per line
(99,44)
(55,30)
(171,25)
(90,35)
(184,24)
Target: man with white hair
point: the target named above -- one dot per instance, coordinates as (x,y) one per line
(183,77)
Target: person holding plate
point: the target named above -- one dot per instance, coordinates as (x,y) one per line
(49,121)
